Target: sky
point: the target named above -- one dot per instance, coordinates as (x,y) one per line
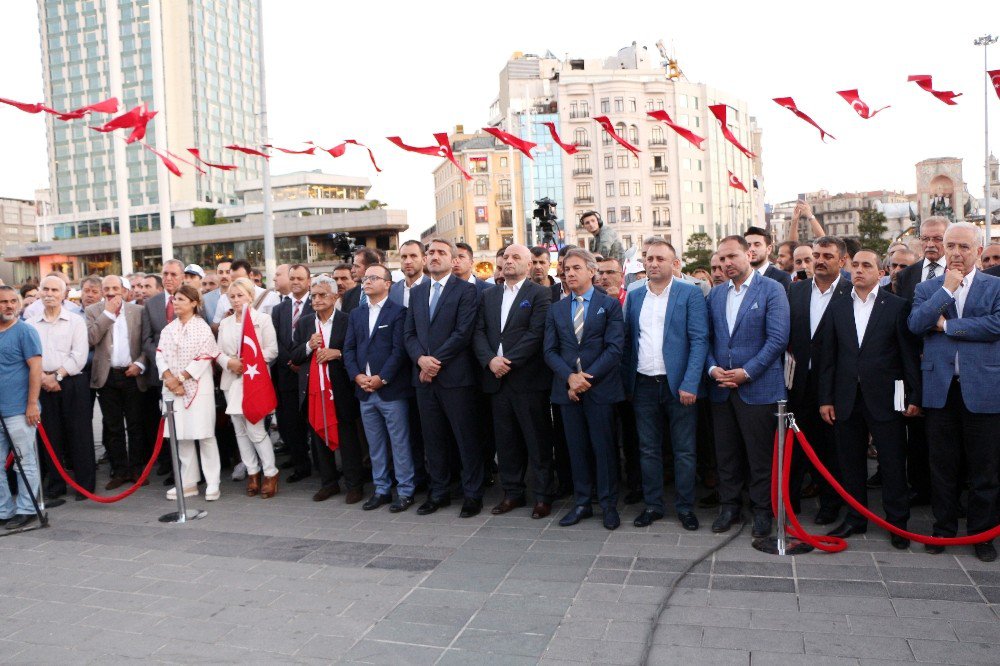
(367,70)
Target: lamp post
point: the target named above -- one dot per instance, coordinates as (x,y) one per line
(985,41)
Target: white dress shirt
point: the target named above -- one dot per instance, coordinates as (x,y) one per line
(406,290)
(863,311)
(325,328)
(938,272)
(652,318)
(960,295)
(763,268)
(120,356)
(506,302)
(374,310)
(734,298)
(301,304)
(443,282)
(64,341)
(818,301)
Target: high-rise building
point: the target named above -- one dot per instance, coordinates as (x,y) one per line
(17,226)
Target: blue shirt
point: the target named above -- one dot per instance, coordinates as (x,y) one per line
(17,344)
(586,304)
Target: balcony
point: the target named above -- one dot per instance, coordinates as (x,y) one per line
(658,142)
(582,172)
(503,198)
(661,196)
(658,170)
(583,144)
(583,200)
(578,115)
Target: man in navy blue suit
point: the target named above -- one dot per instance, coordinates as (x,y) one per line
(761,247)
(748,328)
(376,360)
(438,338)
(584,337)
(958,314)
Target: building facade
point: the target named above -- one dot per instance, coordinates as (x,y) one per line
(17,226)
(840,213)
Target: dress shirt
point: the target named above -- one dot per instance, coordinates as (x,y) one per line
(863,311)
(120,356)
(325,328)
(763,268)
(222,309)
(734,298)
(374,310)
(818,300)
(406,290)
(960,294)
(36,308)
(64,341)
(301,304)
(652,318)
(938,272)
(574,305)
(506,302)
(443,282)
(471,279)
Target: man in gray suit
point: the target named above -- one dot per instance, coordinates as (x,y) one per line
(114,330)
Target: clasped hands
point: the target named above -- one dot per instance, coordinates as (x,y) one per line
(429,368)
(323,354)
(369,383)
(729,378)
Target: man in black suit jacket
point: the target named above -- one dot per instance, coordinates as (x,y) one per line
(868,348)
(993,270)
(761,247)
(508,346)
(438,337)
(285,374)
(809,302)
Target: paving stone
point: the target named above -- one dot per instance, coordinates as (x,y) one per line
(952,610)
(975,632)
(844,645)
(402,563)
(594,651)
(754,639)
(944,652)
(753,584)
(689,656)
(516,622)
(523,644)
(803,622)
(836,572)
(324,648)
(378,652)
(764,658)
(433,635)
(744,599)
(905,627)
(925,575)
(777,569)
(931,591)
(451,617)
(819,603)
(843,588)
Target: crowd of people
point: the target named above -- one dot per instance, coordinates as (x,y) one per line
(602,383)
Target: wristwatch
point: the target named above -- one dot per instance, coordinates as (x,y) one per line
(59,376)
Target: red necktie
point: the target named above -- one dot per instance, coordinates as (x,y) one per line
(170,309)
(296,312)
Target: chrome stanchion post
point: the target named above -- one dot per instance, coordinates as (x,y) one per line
(779,544)
(182,515)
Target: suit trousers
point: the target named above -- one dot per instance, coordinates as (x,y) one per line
(417,442)
(560,452)
(447,412)
(590,431)
(387,427)
(122,412)
(744,449)
(630,446)
(523,442)
(67,417)
(351,457)
(151,424)
(954,433)
(294,430)
(823,439)
(656,409)
(918,466)
(889,438)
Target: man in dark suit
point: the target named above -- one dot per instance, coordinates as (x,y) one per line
(809,301)
(438,337)
(462,267)
(761,246)
(375,357)
(993,270)
(508,345)
(285,374)
(867,349)
(748,328)
(324,334)
(355,296)
(584,338)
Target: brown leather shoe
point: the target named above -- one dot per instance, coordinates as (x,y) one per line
(270,487)
(354,495)
(115,482)
(326,492)
(506,505)
(253,484)
(541,510)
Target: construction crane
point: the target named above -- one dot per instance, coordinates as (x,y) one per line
(669,63)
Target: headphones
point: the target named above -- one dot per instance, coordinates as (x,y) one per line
(600,221)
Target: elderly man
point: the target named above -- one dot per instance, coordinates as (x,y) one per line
(114,330)
(36,308)
(802,259)
(899,259)
(957,313)
(605,240)
(65,397)
(991,256)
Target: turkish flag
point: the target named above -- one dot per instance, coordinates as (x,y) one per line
(322,410)
(222,167)
(570,148)
(852,98)
(167,162)
(720,111)
(248,151)
(683,131)
(995,79)
(443,149)
(605,122)
(511,140)
(924,81)
(341,148)
(289,151)
(107,106)
(789,104)
(27,107)
(259,399)
(735,182)
(135,119)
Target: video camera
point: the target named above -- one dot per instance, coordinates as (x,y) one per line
(548,221)
(343,245)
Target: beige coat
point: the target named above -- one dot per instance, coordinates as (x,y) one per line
(230,341)
(101,336)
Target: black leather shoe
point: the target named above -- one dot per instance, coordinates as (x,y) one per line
(986,552)
(432,505)
(726,519)
(575,515)
(689,521)
(376,501)
(288,464)
(470,508)
(647,517)
(611,519)
(633,497)
(295,477)
(931,549)
(826,515)
(401,504)
(761,525)
(21,520)
(845,529)
(898,542)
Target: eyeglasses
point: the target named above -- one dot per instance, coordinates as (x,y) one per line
(931,239)
(370,278)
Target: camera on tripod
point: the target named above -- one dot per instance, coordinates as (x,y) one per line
(343,245)
(548,221)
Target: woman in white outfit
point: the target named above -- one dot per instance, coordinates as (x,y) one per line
(256,449)
(184,359)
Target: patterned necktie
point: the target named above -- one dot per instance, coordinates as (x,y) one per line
(364,298)
(296,311)
(170,309)
(578,319)
(932,271)
(435,294)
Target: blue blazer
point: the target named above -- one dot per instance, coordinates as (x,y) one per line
(382,351)
(600,350)
(685,338)
(757,344)
(448,336)
(975,338)
(397,289)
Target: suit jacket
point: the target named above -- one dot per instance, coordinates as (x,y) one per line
(599,350)
(685,337)
(908,279)
(101,339)
(522,336)
(351,299)
(778,275)
(344,400)
(555,292)
(398,288)
(154,320)
(284,377)
(887,353)
(381,350)
(994,271)
(757,343)
(448,336)
(804,346)
(974,338)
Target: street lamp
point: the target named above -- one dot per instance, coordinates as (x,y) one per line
(985,41)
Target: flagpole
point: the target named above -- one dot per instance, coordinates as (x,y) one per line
(322,385)
(114,47)
(985,42)
(270,263)
(160,132)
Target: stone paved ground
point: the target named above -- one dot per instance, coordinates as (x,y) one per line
(291,581)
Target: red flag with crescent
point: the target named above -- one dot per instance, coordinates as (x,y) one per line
(259,398)
(223,167)
(167,162)
(443,149)
(683,131)
(853,98)
(605,122)
(570,148)
(322,410)
(994,75)
(511,140)
(341,148)
(789,104)
(106,106)
(248,151)
(27,107)
(925,83)
(720,111)
(135,119)
(736,182)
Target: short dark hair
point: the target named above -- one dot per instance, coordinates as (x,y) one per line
(657,240)
(341,267)
(757,231)
(387,274)
(538,251)
(157,279)
(381,255)
(420,245)
(738,239)
(368,255)
(564,249)
(502,250)
(602,260)
(25,288)
(297,266)
(791,245)
(241,263)
(585,215)
(853,246)
(832,240)
(254,271)
(465,246)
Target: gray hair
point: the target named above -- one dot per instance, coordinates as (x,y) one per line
(174,261)
(977,232)
(444,241)
(62,285)
(580,253)
(935,220)
(90,279)
(326,281)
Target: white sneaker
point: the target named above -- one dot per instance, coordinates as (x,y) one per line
(212,493)
(239,472)
(188,492)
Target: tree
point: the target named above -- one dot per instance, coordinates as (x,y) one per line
(870,230)
(374,204)
(699,252)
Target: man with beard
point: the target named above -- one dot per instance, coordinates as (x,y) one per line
(761,246)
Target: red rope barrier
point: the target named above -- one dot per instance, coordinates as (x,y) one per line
(98,498)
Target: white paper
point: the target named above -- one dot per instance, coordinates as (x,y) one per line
(899,396)
(789,370)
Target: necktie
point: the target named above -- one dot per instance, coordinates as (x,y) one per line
(578,319)
(364,298)
(170,309)
(435,294)
(932,271)
(296,311)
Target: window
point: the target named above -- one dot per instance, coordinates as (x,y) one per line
(611,216)
(580,137)
(605,105)
(686,163)
(635,188)
(483,242)
(626,214)
(638,215)
(583,191)
(584,109)
(503,162)
(623,191)
(627,241)
(682,101)
(660,191)
(480,187)
(609,188)
(623,161)
(659,162)
(631,104)
(656,136)
(633,134)
(504,194)
(649,104)
(609,161)
(582,164)
(619,105)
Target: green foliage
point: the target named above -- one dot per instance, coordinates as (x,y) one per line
(870,230)
(204,217)
(699,251)
(374,204)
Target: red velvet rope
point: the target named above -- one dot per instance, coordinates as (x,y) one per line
(98,498)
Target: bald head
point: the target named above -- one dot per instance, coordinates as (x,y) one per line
(516,263)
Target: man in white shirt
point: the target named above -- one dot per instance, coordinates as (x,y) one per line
(761,247)
(263,299)
(411,262)
(36,308)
